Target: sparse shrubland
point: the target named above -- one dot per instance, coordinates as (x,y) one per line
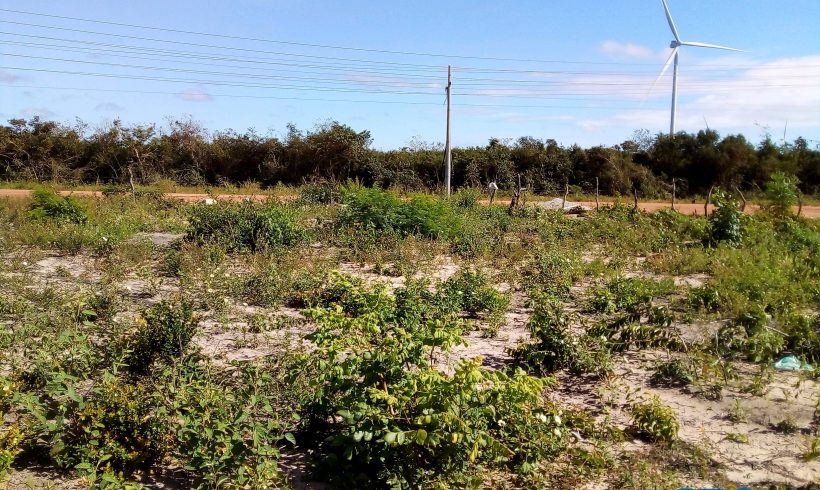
(384,340)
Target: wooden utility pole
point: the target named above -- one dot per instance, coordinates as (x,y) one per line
(597,204)
(708,200)
(448,156)
(673,193)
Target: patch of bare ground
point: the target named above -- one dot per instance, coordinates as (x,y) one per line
(719,424)
(494,350)
(252,332)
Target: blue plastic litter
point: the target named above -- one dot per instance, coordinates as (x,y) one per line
(792,363)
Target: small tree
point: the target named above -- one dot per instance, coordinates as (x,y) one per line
(724,222)
(781,193)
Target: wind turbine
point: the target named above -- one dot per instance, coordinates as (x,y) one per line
(673,57)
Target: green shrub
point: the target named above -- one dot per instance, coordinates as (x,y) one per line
(472,292)
(633,295)
(317,194)
(371,209)
(725,220)
(117,428)
(656,421)
(704,297)
(49,205)
(226,429)
(381,211)
(467,197)
(401,422)
(781,194)
(673,373)
(244,226)
(804,336)
(164,332)
(553,272)
(554,347)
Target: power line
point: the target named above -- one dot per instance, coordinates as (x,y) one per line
(313,45)
(248,96)
(330,89)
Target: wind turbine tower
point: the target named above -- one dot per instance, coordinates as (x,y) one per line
(673,59)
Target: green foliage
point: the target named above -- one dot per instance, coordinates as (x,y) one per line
(781,193)
(655,420)
(467,198)
(633,295)
(118,428)
(555,347)
(381,211)
(228,438)
(725,220)
(397,420)
(804,336)
(318,194)
(242,227)
(704,297)
(11,434)
(48,205)
(164,332)
(473,293)
(674,373)
(553,272)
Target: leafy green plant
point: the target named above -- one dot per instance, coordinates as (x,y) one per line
(228,438)
(781,193)
(397,420)
(49,205)
(467,197)
(242,227)
(117,428)
(552,271)
(471,291)
(633,295)
(317,194)
(737,413)
(655,420)
(164,332)
(725,220)
(674,372)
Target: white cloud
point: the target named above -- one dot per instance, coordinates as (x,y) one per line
(615,49)
(740,98)
(195,95)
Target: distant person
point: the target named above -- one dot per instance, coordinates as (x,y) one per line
(492,187)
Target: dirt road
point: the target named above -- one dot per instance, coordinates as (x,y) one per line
(686,208)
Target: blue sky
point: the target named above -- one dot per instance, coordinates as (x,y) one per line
(578,72)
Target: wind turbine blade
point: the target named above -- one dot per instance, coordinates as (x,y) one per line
(671,22)
(704,45)
(663,71)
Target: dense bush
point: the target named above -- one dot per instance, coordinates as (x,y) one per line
(781,193)
(655,420)
(725,221)
(117,428)
(164,332)
(48,205)
(242,227)
(398,421)
(472,292)
(382,211)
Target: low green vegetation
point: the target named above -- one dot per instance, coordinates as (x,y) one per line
(391,341)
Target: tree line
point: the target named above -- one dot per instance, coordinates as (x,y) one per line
(186,153)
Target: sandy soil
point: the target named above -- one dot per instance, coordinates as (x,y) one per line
(683,207)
